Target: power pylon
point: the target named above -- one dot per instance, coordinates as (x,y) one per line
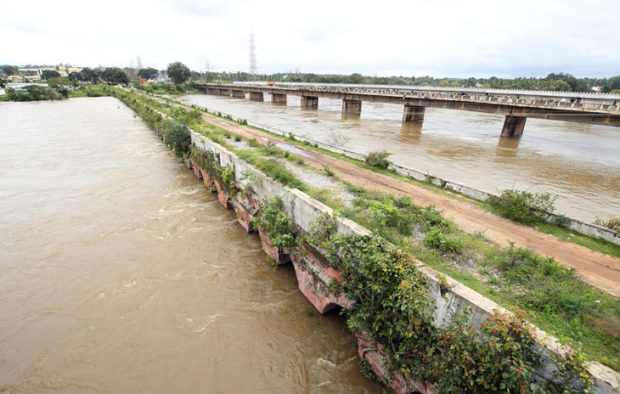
(253,65)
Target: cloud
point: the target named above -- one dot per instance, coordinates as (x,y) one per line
(443,37)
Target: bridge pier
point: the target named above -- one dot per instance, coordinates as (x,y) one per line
(278,98)
(310,102)
(414,113)
(238,93)
(256,96)
(352,106)
(513,126)
(225,92)
(213,91)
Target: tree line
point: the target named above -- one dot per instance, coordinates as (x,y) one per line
(180,73)
(555,82)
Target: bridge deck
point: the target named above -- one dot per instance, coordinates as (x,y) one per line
(603,109)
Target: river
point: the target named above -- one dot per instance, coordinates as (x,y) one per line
(579,163)
(119,272)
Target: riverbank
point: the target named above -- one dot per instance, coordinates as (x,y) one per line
(38,92)
(278,165)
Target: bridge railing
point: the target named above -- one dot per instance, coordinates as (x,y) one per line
(554,100)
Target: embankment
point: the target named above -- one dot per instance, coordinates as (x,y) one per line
(327,281)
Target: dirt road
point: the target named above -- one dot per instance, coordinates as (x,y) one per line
(597,269)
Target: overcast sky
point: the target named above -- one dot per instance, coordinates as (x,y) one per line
(409,37)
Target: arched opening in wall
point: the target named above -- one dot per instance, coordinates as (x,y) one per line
(284,258)
(332,309)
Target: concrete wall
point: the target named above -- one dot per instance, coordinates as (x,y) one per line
(304,210)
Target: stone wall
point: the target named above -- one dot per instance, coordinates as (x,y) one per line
(314,274)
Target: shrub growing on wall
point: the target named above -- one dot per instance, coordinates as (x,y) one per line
(177,137)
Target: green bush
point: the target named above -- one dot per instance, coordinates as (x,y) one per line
(177,137)
(378,159)
(438,240)
(522,206)
(186,117)
(277,223)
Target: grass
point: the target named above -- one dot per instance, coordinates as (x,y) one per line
(91,91)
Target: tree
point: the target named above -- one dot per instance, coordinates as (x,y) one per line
(356,78)
(114,75)
(47,74)
(75,76)
(2,83)
(146,72)
(90,75)
(9,70)
(612,84)
(60,81)
(179,72)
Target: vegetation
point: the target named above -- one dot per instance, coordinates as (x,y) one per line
(48,74)
(147,72)
(178,72)
(553,81)
(523,206)
(612,223)
(177,137)
(277,224)
(91,91)
(9,70)
(378,159)
(34,93)
(59,82)
(391,306)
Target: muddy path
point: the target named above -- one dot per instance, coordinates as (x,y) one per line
(597,269)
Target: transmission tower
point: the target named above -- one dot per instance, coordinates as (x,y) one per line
(253,65)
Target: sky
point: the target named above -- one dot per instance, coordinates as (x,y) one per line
(440,38)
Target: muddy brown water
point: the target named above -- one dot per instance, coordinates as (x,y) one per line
(579,163)
(120,273)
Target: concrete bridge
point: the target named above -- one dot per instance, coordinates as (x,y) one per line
(516,105)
